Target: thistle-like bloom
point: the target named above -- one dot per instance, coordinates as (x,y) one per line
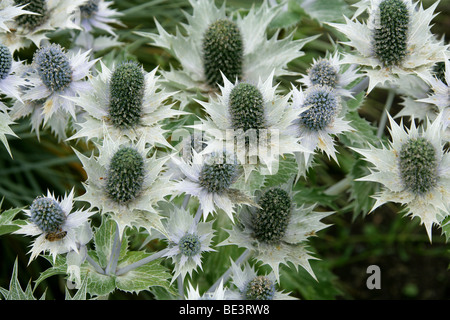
(218,294)
(46,16)
(55,78)
(57,228)
(330,72)
(125,183)
(8,12)
(210,178)
(128,102)
(250,286)
(214,43)
(276,232)
(257,117)
(187,241)
(97,14)
(319,118)
(395,41)
(414,170)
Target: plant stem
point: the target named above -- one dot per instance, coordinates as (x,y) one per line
(94,264)
(361,86)
(387,108)
(338,187)
(198,214)
(186,200)
(112,263)
(224,278)
(141,262)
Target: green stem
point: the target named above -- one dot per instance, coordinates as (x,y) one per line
(387,108)
(141,262)
(115,250)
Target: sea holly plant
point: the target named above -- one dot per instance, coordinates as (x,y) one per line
(217,150)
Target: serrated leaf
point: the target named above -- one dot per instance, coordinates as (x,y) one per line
(7,225)
(104,241)
(326,10)
(286,170)
(363,132)
(80,294)
(361,192)
(142,278)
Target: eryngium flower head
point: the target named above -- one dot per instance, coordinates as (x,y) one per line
(5,61)
(187,241)
(319,118)
(396,41)
(31,21)
(57,229)
(236,45)
(331,72)
(210,177)
(391,35)
(9,12)
(125,183)
(125,175)
(248,285)
(126,90)
(37,19)
(47,214)
(287,226)
(53,67)
(246,107)
(89,9)
(128,102)
(322,104)
(270,221)
(414,171)
(222,52)
(257,118)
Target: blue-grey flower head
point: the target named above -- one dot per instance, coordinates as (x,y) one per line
(125,176)
(126,90)
(47,214)
(323,73)
(323,103)
(89,8)
(217,174)
(5,61)
(260,288)
(246,107)
(271,220)
(32,21)
(53,67)
(190,245)
(222,51)
(418,165)
(391,36)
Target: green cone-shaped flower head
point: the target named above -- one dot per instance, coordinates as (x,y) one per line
(391,36)
(246,107)
(418,165)
(126,91)
(222,52)
(125,176)
(31,21)
(5,61)
(217,175)
(271,220)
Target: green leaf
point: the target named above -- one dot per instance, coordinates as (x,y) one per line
(287,169)
(142,278)
(362,135)
(7,225)
(15,291)
(361,192)
(104,241)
